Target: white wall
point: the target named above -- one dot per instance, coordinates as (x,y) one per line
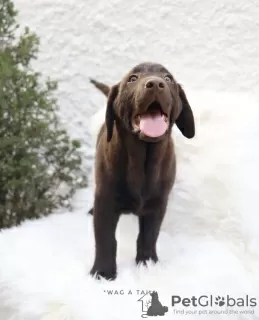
(206,44)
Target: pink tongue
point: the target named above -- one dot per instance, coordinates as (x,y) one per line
(152,125)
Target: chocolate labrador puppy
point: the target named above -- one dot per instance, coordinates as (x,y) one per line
(135,162)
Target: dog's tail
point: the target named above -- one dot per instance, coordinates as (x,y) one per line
(101,86)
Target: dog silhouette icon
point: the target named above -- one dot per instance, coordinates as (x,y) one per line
(156,308)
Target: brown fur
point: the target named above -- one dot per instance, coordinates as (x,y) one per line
(134,173)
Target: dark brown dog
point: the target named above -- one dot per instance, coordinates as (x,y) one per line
(135,163)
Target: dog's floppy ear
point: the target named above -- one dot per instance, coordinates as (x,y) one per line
(185,120)
(110,114)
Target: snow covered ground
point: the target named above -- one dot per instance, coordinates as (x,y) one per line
(209,243)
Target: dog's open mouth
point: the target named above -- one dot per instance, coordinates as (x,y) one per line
(153,123)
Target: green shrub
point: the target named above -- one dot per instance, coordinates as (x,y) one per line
(40,167)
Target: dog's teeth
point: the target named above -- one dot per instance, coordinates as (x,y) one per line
(135,127)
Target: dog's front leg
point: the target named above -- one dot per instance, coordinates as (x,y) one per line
(150,220)
(105,222)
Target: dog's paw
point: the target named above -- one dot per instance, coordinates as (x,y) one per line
(143,258)
(106,273)
(220,301)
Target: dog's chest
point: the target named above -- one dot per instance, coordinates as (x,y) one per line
(130,197)
(141,178)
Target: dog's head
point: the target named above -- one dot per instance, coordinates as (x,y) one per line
(147,102)
(154,295)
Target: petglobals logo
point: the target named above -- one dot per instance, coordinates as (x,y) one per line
(213,301)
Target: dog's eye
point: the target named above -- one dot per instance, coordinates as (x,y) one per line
(133,78)
(168,78)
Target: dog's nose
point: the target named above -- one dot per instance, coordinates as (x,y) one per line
(155,84)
